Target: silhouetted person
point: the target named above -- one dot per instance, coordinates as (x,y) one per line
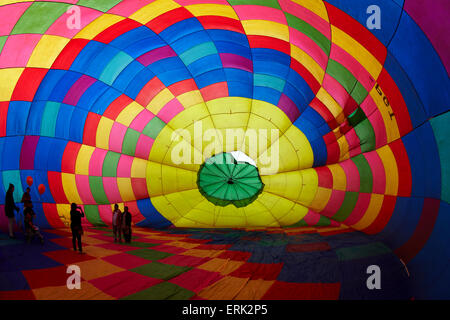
(127,225)
(26,199)
(30,229)
(117,223)
(76,213)
(10,206)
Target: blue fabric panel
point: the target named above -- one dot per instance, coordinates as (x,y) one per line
(86,56)
(11,157)
(90,96)
(35,118)
(189,41)
(103,102)
(139,81)
(266,94)
(77,125)
(209,78)
(153,218)
(16,122)
(127,75)
(54,162)
(63,86)
(181,29)
(205,64)
(50,81)
(63,121)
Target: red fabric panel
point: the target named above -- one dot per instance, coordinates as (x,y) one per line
(255,271)
(325,177)
(422,232)
(116,107)
(70,157)
(90,129)
(149,91)
(357,31)
(302,291)
(184,86)
(308,247)
(51,213)
(404,168)
(28,84)
(385,214)
(3,114)
(169,18)
(69,53)
(214,91)
(222,23)
(269,43)
(117,30)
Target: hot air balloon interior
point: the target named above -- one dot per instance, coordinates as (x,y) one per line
(266,149)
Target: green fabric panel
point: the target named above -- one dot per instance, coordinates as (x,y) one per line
(48,124)
(98,192)
(115,67)
(301,223)
(362,251)
(266,3)
(130,141)
(264,80)
(162,291)
(13,176)
(138,244)
(341,74)
(2,42)
(101,5)
(310,31)
(150,254)
(359,93)
(197,52)
(153,127)
(160,270)
(110,164)
(93,215)
(441,128)
(39,17)
(356,117)
(323,222)
(366,135)
(347,206)
(365,173)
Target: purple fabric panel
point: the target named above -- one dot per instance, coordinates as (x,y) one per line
(432,18)
(230,60)
(156,54)
(27,153)
(78,89)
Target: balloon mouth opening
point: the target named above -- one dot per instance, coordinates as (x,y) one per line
(229,178)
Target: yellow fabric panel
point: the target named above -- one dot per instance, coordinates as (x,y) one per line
(391,169)
(392,132)
(287,184)
(190,98)
(153,10)
(279,157)
(339,177)
(154,184)
(70,187)
(46,51)
(376,201)
(226,288)
(187,223)
(87,292)
(100,24)
(83,159)
(254,289)
(205,9)
(138,168)
(103,130)
(310,185)
(64,212)
(271,113)
(297,213)
(187,117)
(330,103)
(321,200)
(309,63)
(196,215)
(223,266)
(344,148)
(8,80)
(356,50)
(186,201)
(177,179)
(126,189)
(278,206)
(302,147)
(266,28)
(163,146)
(229,105)
(4,2)
(160,100)
(316,6)
(129,113)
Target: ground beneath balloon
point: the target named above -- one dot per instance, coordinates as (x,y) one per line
(296,263)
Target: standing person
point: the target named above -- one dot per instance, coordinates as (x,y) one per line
(117,223)
(26,199)
(127,225)
(31,230)
(76,213)
(10,206)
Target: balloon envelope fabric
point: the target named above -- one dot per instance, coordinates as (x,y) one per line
(342,105)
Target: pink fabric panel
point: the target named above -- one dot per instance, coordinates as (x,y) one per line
(378,172)
(143,147)
(59,27)
(352,175)
(9,14)
(141,120)
(360,208)
(308,16)
(335,202)
(254,12)
(105,213)
(309,46)
(17,50)
(336,90)
(312,218)
(84,189)
(112,189)
(128,7)
(170,110)
(116,137)
(124,166)
(96,163)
